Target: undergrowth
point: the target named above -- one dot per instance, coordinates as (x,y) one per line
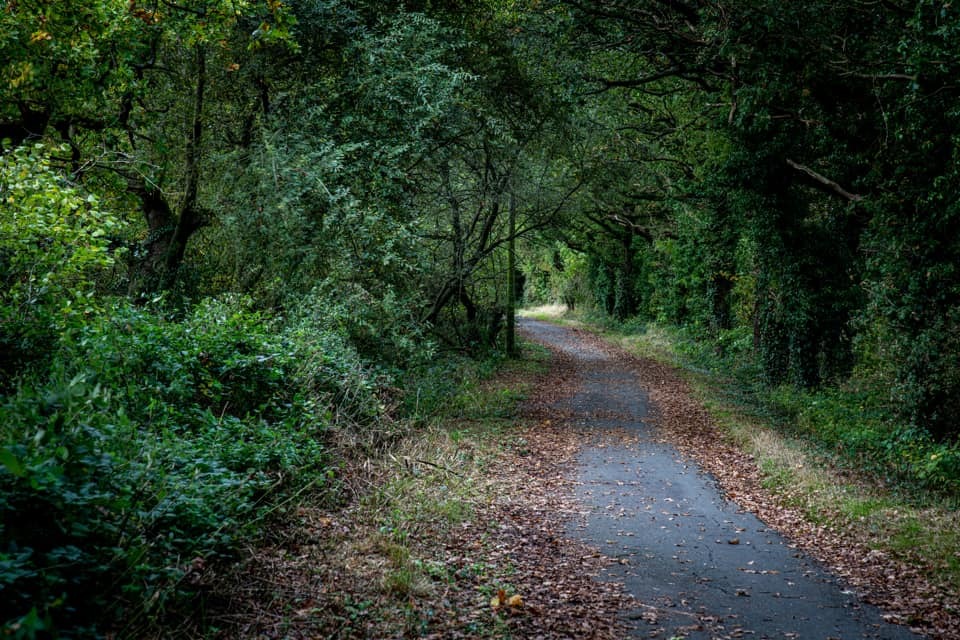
(152,446)
(434,480)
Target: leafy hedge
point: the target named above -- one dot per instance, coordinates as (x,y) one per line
(150,448)
(857,427)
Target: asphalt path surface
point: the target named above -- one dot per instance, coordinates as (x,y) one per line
(698,566)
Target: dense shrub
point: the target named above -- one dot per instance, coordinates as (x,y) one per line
(153,446)
(858,427)
(53,237)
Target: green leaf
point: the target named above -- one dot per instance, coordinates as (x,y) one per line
(10,461)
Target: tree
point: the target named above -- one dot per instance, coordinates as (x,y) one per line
(116,83)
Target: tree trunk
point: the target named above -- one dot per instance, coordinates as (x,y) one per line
(149,266)
(511,339)
(167,233)
(624,304)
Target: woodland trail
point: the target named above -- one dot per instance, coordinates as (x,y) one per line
(698,564)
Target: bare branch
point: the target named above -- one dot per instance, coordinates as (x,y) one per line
(825,181)
(906,77)
(608,84)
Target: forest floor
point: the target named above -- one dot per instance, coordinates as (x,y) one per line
(610,507)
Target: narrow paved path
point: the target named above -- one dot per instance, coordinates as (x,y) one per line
(698,566)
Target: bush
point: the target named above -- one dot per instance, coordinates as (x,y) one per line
(151,448)
(53,237)
(378,326)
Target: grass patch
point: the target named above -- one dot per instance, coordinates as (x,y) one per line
(427,487)
(434,477)
(551,312)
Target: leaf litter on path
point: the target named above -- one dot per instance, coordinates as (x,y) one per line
(903,589)
(506,571)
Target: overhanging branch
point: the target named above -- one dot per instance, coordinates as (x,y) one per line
(825,181)
(608,84)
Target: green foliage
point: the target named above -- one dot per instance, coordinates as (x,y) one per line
(156,445)
(780,184)
(80,62)
(219,357)
(378,326)
(859,428)
(324,190)
(555,274)
(54,237)
(816,255)
(55,55)
(330,189)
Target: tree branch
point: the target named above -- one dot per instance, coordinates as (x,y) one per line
(670,72)
(825,181)
(906,77)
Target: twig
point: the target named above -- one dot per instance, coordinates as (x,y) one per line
(438,466)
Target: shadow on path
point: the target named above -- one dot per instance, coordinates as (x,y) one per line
(697,565)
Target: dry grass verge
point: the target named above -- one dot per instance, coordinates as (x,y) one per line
(455,532)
